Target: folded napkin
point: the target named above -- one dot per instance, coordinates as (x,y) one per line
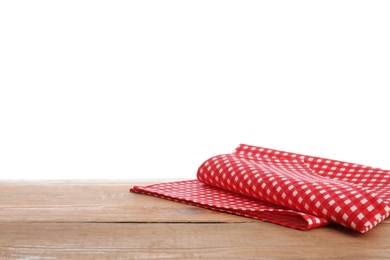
(289,189)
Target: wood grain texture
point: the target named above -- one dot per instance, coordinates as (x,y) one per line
(95,201)
(101,219)
(187,241)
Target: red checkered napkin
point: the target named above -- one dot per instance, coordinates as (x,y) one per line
(289,189)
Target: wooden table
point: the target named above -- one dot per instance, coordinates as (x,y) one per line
(101,219)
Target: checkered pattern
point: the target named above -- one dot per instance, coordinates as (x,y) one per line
(290,189)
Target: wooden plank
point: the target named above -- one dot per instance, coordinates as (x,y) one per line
(95,201)
(101,219)
(258,240)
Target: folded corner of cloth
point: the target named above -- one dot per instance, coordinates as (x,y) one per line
(289,189)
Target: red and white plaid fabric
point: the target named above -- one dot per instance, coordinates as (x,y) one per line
(289,189)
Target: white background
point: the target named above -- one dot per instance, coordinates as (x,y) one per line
(151,89)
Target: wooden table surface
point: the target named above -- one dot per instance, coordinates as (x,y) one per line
(101,219)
